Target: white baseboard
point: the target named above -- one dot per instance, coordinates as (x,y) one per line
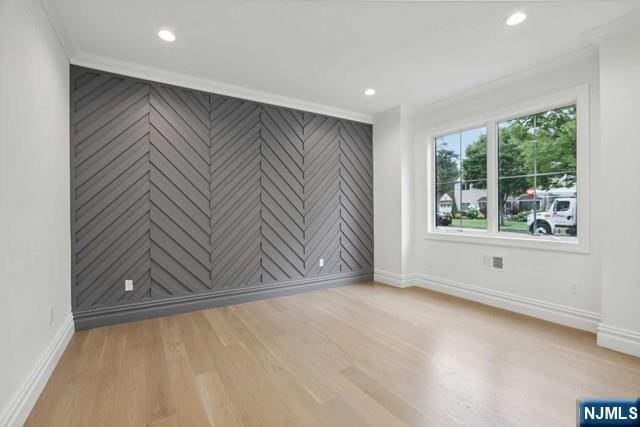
(392,279)
(556,313)
(619,339)
(19,408)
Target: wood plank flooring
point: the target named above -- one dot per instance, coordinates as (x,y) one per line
(360,355)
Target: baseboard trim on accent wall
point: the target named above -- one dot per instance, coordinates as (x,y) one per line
(619,339)
(166,307)
(392,279)
(556,313)
(19,408)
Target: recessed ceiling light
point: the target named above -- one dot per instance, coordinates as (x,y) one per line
(516,19)
(166,35)
(369,92)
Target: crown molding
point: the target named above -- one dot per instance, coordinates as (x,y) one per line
(206,85)
(613,28)
(586,53)
(65,38)
(77,57)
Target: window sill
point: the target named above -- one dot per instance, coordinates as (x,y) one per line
(513,240)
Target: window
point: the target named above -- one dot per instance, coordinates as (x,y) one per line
(537,167)
(461,179)
(561,206)
(513,179)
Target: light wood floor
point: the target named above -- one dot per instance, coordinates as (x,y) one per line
(353,356)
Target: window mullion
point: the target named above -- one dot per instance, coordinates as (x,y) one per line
(492,178)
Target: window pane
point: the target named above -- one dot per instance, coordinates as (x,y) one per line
(537,173)
(445,204)
(556,141)
(517,199)
(473,205)
(448,158)
(461,173)
(561,205)
(473,148)
(541,210)
(516,147)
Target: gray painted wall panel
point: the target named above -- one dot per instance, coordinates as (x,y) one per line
(281,196)
(110,215)
(322,196)
(235,190)
(197,196)
(356,196)
(180,191)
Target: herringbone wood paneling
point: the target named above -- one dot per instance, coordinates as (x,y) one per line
(356,197)
(110,152)
(180,191)
(187,193)
(322,195)
(235,193)
(281,195)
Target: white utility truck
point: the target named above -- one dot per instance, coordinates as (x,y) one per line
(561,216)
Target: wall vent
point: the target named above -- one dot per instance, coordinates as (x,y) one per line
(491,262)
(497,262)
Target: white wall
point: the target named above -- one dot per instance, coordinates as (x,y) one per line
(530,276)
(537,274)
(34,199)
(620,110)
(392,165)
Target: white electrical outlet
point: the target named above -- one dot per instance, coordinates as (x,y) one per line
(128,285)
(321,262)
(51,314)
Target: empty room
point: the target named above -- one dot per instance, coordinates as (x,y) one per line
(319,213)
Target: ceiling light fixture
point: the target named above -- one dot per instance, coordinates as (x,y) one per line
(516,19)
(369,92)
(166,35)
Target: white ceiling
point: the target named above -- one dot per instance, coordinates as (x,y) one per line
(328,52)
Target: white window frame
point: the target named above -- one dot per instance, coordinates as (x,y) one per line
(578,96)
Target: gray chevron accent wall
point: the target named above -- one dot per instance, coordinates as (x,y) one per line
(235,190)
(204,200)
